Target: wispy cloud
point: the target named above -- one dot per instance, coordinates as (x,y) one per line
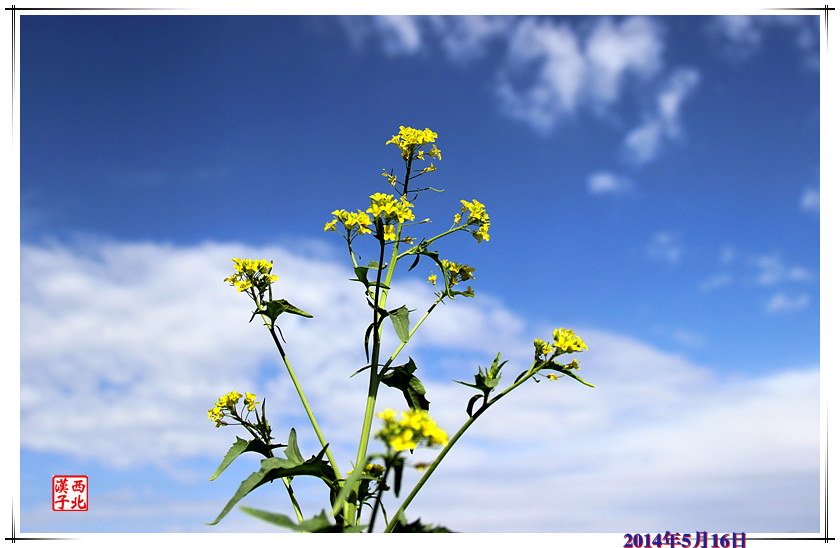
(764,272)
(666,246)
(552,69)
(604,182)
(662,123)
(810,201)
(741,37)
(126,345)
(782,302)
(547,70)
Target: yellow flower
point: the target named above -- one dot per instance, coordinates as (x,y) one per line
(375,470)
(410,140)
(388,232)
(433,279)
(412,429)
(390,209)
(391,178)
(542,348)
(251,273)
(359,222)
(458,272)
(552,377)
(477,216)
(566,341)
(250,401)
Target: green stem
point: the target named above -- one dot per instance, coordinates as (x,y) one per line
(373,383)
(305,403)
(413,329)
(431,469)
(380,297)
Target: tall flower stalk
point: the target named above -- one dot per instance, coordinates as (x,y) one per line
(357,499)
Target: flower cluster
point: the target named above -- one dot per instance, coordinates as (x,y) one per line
(228,403)
(251,273)
(390,209)
(413,428)
(565,342)
(375,470)
(477,216)
(358,222)
(410,142)
(458,272)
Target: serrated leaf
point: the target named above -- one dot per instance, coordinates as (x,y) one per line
(241,446)
(417,527)
(273,309)
(403,379)
(275,468)
(317,524)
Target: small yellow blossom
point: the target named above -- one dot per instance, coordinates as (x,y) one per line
(458,272)
(477,217)
(388,232)
(391,178)
(433,279)
(414,428)
(390,209)
(375,470)
(250,401)
(410,141)
(542,348)
(251,273)
(566,341)
(358,222)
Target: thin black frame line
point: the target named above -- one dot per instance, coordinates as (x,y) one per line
(825,9)
(14,538)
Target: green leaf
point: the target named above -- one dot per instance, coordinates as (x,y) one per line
(241,446)
(317,524)
(275,468)
(399,317)
(402,378)
(417,527)
(472,402)
(486,381)
(362,275)
(293,451)
(273,309)
(565,371)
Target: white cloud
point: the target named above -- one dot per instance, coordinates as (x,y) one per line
(741,37)
(770,270)
(662,123)
(543,77)
(810,201)
(666,246)
(548,70)
(782,302)
(124,347)
(616,52)
(551,70)
(716,282)
(603,182)
(465,38)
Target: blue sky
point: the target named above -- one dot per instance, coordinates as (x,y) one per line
(652,182)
